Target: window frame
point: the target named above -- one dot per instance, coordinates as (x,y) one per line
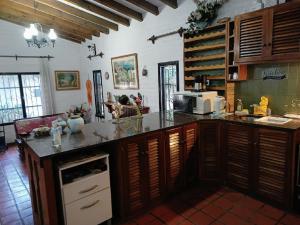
(19,74)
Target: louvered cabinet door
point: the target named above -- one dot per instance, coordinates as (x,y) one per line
(155,166)
(191,154)
(271,169)
(135,175)
(174,159)
(209,151)
(286,31)
(238,155)
(252,34)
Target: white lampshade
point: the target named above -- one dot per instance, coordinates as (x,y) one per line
(27,34)
(52,35)
(33,30)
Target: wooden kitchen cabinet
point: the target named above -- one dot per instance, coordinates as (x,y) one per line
(272,163)
(258,161)
(181,156)
(210,154)
(142,160)
(270,34)
(238,156)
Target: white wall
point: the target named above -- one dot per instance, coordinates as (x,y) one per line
(66,55)
(133,39)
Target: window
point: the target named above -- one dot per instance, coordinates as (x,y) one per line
(20,96)
(168,84)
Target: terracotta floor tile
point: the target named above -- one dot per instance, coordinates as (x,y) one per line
(171,218)
(260,219)
(213,211)
(230,219)
(28,220)
(145,219)
(156,222)
(223,203)
(291,219)
(271,212)
(251,203)
(199,218)
(14,217)
(201,204)
(188,212)
(233,196)
(186,222)
(242,212)
(161,210)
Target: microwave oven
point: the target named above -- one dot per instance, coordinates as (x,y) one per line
(194,102)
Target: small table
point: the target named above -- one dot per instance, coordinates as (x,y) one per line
(129,110)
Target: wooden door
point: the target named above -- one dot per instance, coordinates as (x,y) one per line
(238,156)
(252,33)
(271,164)
(191,152)
(285,41)
(174,159)
(209,136)
(134,183)
(155,167)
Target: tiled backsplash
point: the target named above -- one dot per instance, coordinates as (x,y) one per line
(279,92)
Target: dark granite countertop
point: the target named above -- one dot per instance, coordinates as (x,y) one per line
(98,133)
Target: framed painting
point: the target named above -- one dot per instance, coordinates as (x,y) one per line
(125,72)
(67,80)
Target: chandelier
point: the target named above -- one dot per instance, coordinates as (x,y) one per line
(35,36)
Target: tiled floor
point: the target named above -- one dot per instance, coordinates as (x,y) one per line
(217,207)
(15,205)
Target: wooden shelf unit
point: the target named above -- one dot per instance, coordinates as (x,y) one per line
(206,54)
(232,68)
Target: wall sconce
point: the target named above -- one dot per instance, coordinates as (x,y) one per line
(144,71)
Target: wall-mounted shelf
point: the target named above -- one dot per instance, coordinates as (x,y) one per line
(205,58)
(217,88)
(204,68)
(204,48)
(206,36)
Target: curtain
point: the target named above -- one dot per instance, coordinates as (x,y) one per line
(46,88)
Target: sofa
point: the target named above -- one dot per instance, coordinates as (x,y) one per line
(24,127)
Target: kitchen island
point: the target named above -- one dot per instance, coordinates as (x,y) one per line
(158,155)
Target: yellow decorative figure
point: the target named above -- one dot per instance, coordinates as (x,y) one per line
(262,108)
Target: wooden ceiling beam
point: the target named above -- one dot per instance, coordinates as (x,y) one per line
(20,21)
(101,11)
(147,6)
(171,3)
(78,13)
(40,8)
(121,9)
(33,16)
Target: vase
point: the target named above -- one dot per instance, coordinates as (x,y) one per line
(75,123)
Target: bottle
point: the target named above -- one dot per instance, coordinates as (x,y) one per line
(239,106)
(56,136)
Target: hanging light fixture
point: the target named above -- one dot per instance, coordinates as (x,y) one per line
(35,36)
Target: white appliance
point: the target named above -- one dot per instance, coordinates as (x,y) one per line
(203,102)
(220,104)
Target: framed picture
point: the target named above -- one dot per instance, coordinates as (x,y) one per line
(67,80)
(125,72)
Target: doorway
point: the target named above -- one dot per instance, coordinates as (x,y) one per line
(98,94)
(168,78)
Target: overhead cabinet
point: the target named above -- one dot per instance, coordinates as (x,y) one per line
(269,34)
